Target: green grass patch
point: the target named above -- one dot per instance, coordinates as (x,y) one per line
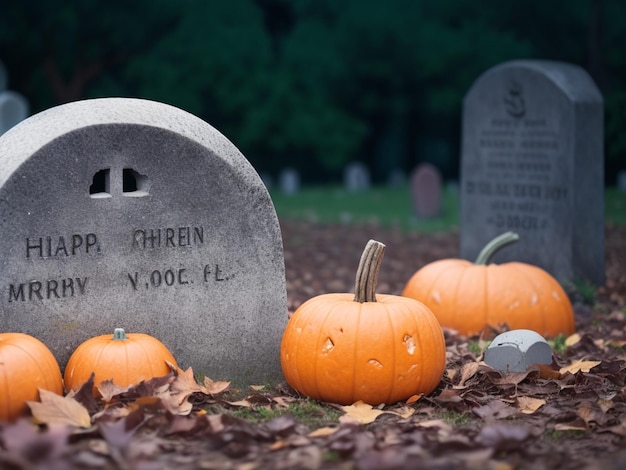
(391,206)
(615,206)
(555,435)
(311,413)
(386,206)
(456,419)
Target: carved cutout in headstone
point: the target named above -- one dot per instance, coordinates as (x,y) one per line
(532,162)
(193,257)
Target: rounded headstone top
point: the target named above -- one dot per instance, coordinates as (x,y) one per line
(4,78)
(572,80)
(21,141)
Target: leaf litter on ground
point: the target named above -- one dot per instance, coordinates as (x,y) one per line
(570,414)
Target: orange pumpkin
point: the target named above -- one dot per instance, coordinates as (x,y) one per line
(26,365)
(468,297)
(125,359)
(343,348)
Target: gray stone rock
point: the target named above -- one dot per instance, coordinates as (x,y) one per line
(131,213)
(517,350)
(532,162)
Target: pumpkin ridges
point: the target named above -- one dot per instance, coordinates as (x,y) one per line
(549,314)
(363,362)
(23,361)
(116,359)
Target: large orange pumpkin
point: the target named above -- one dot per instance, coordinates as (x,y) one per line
(26,365)
(468,297)
(125,359)
(343,348)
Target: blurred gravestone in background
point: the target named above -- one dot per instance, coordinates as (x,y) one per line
(533,162)
(3,77)
(289,181)
(356,177)
(13,109)
(426,191)
(13,106)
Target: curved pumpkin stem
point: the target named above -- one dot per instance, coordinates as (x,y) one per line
(491,248)
(119,334)
(367,272)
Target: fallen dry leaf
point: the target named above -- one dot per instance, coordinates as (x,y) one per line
(360,412)
(323,432)
(580,365)
(572,340)
(56,409)
(214,387)
(529,405)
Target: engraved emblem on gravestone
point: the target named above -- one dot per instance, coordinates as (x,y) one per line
(532,162)
(514,100)
(131,213)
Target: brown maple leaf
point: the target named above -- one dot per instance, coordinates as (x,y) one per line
(56,409)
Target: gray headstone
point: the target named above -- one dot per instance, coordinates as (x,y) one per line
(289,181)
(532,162)
(130,213)
(4,78)
(517,351)
(13,109)
(426,191)
(356,177)
(621,180)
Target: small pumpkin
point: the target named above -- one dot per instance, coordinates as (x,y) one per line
(125,359)
(26,365)
(468,297)
(343,348)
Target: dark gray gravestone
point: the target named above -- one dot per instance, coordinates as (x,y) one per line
(426,191)
(135,214)
(532,162)
(13,109)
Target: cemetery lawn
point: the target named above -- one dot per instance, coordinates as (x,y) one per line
(476,419)
(391,206)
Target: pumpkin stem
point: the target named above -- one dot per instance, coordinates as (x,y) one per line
(119,333)
(367,272)
(490,249)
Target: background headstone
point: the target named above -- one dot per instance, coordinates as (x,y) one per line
(532,162)
(426,191)
(130,213)
(13,109)
(4,79)
(289,181)
(621,180)
(356,177)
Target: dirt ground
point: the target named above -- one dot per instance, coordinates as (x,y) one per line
(572,416)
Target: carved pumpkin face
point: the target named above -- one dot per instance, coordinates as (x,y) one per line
(468,297)
(126,359)
(343,348)
(26,365)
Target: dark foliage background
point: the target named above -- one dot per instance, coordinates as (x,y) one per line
(312,84)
